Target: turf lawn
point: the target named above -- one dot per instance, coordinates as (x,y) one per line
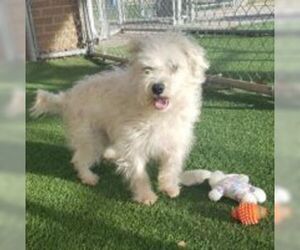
(235,135)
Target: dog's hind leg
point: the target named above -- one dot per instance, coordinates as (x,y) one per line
(87,147)
(83,160)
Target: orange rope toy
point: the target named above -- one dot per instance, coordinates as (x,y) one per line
(249,213)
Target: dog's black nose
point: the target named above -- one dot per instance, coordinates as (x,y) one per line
(158,88)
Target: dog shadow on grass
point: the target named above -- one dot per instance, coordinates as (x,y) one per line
(195,200)
(54,160)
(98,231)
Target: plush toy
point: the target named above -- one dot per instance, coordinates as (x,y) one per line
(249,213)
(234,186)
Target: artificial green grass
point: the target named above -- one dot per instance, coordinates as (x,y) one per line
(241,57)
(235,135)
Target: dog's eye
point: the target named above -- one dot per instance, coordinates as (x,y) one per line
(174,68)
(147,70)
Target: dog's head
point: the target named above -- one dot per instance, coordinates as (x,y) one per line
(167,67)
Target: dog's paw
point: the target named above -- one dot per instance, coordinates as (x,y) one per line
(146,198)
(172,192)
(89,178)
(109,154)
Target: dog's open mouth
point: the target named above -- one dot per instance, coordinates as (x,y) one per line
(160,102)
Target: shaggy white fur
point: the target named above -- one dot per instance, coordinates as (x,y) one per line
(122,116)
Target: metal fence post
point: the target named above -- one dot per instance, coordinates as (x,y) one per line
(174,12)
(121,13)
(179,12)
(85,27)
(91,19)
(104,33)
(189,10)
(31,43)
(142,7)
(30,47)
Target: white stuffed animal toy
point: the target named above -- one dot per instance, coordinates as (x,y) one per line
(234,186)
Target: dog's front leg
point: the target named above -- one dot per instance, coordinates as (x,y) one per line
(170,170)
(135,171)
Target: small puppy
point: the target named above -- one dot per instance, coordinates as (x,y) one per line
(146,111)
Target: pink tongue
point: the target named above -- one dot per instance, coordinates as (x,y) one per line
(161,103)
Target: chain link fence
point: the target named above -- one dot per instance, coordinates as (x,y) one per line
(238,35)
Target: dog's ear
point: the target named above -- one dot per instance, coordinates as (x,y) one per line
(196,57)
(135,46)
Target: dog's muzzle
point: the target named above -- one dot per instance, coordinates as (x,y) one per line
(158,88)
(160,102)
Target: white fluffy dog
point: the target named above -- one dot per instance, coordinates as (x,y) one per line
(146,111)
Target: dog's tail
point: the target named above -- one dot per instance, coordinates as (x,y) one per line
(47,103)
(194,177)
